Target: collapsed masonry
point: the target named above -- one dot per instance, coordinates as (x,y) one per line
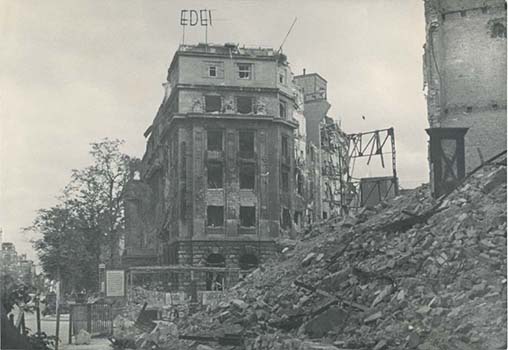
(240,153)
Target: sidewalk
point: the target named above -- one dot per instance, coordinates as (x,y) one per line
(96,344)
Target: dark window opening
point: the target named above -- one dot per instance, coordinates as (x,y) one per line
(299,183)
(298,217)
(214,175)
(285,149)
(214,140)
(463,13)
(286,218)
(311,190)
(281,78)
(247,216)
(214,216)
(469,109)
(212,71)
(498,31)
(244,104)
(246,143)
(446,111)
(248,261)
(213,103)
(285,180)
(325,215)
(244,70)
(282,109)
(215,281)
(247,176)
(484,10)
(494,106)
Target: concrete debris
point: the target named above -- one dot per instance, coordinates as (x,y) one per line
(83,338)
(411,273)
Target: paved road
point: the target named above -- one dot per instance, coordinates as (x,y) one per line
(48,325)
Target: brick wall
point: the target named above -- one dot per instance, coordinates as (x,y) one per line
(465,69)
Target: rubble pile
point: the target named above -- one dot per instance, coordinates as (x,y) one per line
(413,273)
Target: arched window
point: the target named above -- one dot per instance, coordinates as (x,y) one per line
(498,31)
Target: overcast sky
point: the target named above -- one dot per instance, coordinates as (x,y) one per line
(74,72)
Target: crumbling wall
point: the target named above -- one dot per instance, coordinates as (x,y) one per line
(465,72)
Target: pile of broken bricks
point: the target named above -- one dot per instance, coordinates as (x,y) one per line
(411,273)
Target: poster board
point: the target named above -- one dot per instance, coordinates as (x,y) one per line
(115,283)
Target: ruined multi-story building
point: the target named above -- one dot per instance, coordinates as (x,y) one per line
(465,72)
(217,184)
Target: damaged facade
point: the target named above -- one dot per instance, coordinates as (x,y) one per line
(465,73)
(239,154)
(225,170)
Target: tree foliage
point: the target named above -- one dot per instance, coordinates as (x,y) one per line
(84,228)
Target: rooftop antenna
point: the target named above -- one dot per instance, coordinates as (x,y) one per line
(289,31)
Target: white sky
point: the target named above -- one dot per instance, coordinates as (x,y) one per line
(74,72)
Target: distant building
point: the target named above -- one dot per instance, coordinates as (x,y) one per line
(16,264)
(465,72)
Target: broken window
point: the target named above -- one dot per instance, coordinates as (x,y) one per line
(247,176)
(299,182)
(214,216)
(286,219)
(215,281)
(213,103)
(285,149)
(285,180)
(282,109)
(498,31)
(247,216)
(214,174)
(244,70)
(248,261)
(246,143)
(214,140)
(298,217)
(244,104)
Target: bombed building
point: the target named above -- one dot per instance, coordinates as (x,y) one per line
(465,73)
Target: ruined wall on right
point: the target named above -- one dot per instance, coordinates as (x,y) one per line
(465,72)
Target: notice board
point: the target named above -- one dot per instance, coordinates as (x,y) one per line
(115,283)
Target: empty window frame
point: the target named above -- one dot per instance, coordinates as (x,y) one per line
(285,148)
(247,216)
(214,174)
(298,217)
(214,140)
(214,216)
(244,70)
(244,104)
(285,179)
(246,144)
(299,182)
(286,219)
(247,176)
(283,109)
(213,103)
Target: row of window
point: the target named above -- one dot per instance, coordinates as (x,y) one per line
(215,217)
(244,71)
(244,105)
(215,70)
(215,142)
(215,175)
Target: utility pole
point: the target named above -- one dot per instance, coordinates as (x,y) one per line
(57,308)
